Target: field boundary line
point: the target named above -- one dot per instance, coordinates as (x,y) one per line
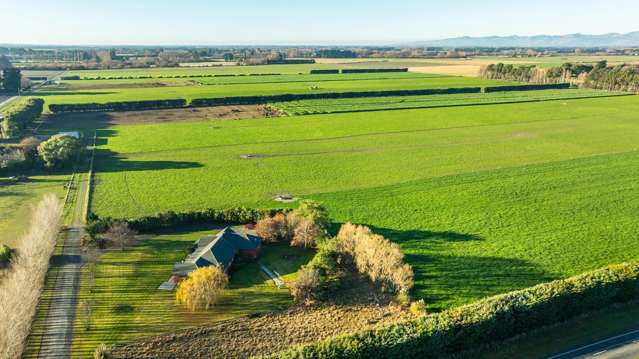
(459,105)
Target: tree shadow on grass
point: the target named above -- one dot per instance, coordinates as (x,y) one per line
(401,236)
(80,121)
(443,279)
(108,161)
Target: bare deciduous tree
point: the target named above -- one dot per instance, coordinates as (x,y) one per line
(87,313)
(121,234)
(306,234)
(272,229)
(377,257)
(305,287)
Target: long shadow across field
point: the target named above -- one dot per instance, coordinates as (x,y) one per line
(442,279)
(112,162)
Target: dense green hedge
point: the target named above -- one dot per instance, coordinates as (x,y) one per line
(369,71)
(324,72)
(254,100)
(527,87)
(172,219)
(118,106)
(67,78)
(492,319)
(20,115)
(167,76)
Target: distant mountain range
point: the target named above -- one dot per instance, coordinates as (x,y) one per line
(572,40)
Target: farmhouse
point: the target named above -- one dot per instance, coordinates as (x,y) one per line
(220,249)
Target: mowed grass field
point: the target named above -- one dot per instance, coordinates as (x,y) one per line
(17,199)
(126,304)
(482,199)
(53,95)
(305,107)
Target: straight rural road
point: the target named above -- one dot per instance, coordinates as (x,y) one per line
(58,332)
(624,346)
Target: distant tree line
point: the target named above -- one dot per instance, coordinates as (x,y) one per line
(509,72)
(617,78)
(597,76)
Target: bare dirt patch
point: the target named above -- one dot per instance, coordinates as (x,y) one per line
(358,306)
(89,120)
(456,70)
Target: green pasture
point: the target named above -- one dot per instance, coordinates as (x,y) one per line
(126,304)
(54,95)
(243,79)
(17,199)
(176,71)
(483,199)
(306,107)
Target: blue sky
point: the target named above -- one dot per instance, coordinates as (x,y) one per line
(253,22)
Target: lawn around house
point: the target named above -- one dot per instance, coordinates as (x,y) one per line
(128,305)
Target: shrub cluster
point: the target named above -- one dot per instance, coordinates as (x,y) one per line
(68,78)
(171,219)
(303,227)
(59,151)
(254,100)
(202,288)
(372,71)
(118,106)
(5,255)
(19,116)
(532,87)
(489,320)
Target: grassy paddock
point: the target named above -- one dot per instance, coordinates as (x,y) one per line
(17,199)
(482,199)
(128,305)
(406,102)
(53,95)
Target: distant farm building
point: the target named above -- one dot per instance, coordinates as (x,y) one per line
(220,250)
(74,134)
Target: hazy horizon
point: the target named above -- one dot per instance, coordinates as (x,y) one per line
(252,23)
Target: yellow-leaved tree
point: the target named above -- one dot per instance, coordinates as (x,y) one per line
(202,288)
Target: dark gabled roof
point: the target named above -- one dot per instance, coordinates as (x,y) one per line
(220,250)
(241,240)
